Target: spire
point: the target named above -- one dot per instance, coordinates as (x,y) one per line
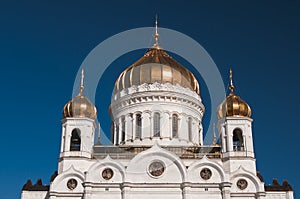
(215,137)
(231,87)
(82,81)
(156,35)
(98,136)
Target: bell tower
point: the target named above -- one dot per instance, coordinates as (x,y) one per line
(235,128)
(78,128)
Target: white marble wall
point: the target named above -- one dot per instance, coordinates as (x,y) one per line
(166,101)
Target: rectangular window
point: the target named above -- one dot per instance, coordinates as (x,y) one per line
(123,129)
(138,121)
(156,125)
(190,129)
(174,126)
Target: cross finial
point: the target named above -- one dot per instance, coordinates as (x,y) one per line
(231,87)
(82,81)
(156,35)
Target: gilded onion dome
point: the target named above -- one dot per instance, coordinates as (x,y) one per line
(233,105)
(156,66)
(80,106)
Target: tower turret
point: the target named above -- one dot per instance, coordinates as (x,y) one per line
(235,130)
(78,128)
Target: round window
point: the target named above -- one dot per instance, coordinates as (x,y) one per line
(156,168)
(107,173)
(205,173)
(72,184)
(242,184)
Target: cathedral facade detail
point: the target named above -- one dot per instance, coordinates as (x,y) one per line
(157,146)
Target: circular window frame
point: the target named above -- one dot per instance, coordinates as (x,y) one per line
(239,186)
(156,161)
(107,169)
(70,186)
(205,168)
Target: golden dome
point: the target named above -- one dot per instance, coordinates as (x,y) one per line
(233,105)
(80,106)
(157,66)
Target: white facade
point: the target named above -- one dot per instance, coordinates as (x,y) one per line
(157,151)
(165,100)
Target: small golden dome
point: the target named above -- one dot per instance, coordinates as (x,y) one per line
(233,105)
(80,106)
(157,66)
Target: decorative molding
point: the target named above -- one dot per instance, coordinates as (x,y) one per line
(155,87)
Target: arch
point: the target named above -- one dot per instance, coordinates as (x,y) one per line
(75,140)
(174,125)
(147,111)
(242,173)
(156,124)
(237,139)
(207,162)
(140,161)
(59,183)
(93,172)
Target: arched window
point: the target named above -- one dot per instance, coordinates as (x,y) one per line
(156,125)
(123,129)
(75,140)
(112,135)
(117,133)
(175,126)
(238,141)
(138,124)
(190,129)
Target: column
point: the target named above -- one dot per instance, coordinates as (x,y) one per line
(165,125)
(146,129)
(128,127)
(62,144)
(195,133)
(151,125)
(223,137)
(120,130)
(200,127)
(225,188)
(171,127)
(229,139)
(67,138)
(125,192)
(186,192)
(87,193)
(184,132)
(115,133)
(133,126)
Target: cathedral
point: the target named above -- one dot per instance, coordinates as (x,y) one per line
(157,146)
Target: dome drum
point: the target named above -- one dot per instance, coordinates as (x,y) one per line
(156,100)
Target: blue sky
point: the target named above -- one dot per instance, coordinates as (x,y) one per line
(43,43)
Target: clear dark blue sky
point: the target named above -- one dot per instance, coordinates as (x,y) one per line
(43,43)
